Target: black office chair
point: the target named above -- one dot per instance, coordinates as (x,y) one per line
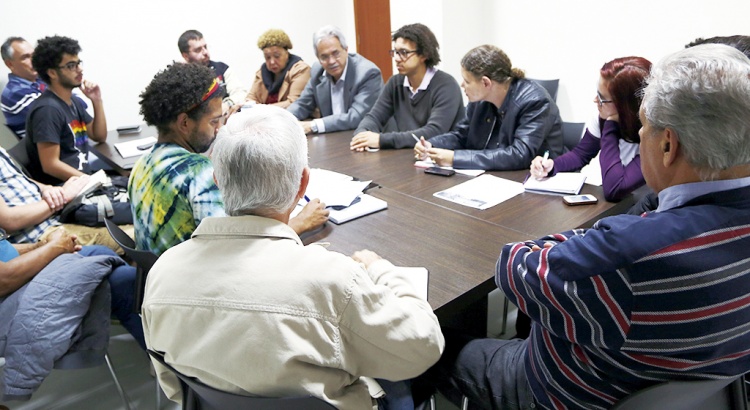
(721,394)
(198,396)
(8,138)
(144,260)
(21,156)
(572,133)
(549,85)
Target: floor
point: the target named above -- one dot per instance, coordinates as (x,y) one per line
(93,389)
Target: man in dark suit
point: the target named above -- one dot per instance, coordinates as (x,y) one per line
(343,87)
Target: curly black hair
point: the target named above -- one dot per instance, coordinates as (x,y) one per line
(422,36)
(174,90)
(49,53)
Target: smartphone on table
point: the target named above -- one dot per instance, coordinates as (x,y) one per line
(579,199)
(439,171)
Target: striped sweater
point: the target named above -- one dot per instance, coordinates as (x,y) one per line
(635,301)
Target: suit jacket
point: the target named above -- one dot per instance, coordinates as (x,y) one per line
(362,86)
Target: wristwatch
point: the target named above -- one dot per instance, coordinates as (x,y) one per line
(314,127)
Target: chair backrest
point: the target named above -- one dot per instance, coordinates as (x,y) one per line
(198,396)
(688,395)
(144,260)
(8,138)
(19,154)
(550,86)
(572,133)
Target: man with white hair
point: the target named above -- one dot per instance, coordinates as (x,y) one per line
(343,86)
(246,308)
(637,300)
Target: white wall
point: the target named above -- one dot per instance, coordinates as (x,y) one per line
(127,42)
(571,40)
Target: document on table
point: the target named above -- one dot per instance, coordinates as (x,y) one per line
(333,188)
(428,163)
(567,183)
(482,192)
(130,148)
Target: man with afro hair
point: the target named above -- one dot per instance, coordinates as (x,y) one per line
(172,187)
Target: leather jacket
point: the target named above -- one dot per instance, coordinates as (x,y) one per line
(527,125)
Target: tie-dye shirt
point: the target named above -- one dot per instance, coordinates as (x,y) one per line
(53,120)
(171,190)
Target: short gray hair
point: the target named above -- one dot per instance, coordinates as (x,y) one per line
(6,50)
(327,32)
(259,160)
(703,94)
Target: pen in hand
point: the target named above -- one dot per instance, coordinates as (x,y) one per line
(546,156)
(307,199)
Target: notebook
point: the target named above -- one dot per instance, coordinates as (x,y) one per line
(96,181)
(565,183)
(131,148)
(366,205)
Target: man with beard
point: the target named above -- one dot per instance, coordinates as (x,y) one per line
(58,126)
(172,187)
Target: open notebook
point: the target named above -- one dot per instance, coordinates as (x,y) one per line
(566,183)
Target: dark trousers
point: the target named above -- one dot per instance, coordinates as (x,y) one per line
(122,287)
(489,372)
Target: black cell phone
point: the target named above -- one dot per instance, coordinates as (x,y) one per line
(439,171)
(579,199)
(129,129)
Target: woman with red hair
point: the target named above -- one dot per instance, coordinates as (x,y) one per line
(614,131)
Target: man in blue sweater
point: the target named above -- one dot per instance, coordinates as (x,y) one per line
(636,300)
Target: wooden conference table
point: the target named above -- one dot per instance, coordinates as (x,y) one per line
(457,244)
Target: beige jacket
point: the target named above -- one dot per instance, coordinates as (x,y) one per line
(294,82)
(244,307)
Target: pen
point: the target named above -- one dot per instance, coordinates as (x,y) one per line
(546,155)
(307,199)
(415,137)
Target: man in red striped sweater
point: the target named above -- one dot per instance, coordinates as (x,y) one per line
(637,300)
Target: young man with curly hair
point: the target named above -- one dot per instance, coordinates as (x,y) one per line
(419,100)
(172,187)
(58,127)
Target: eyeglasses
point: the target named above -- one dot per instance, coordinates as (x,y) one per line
(403,54)
(600,100)
(71,66)
(325,57)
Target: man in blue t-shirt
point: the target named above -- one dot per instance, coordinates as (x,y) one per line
(58,126)
(23,87)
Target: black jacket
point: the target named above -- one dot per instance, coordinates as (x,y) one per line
(527,124)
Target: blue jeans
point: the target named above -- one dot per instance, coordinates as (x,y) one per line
(122,288)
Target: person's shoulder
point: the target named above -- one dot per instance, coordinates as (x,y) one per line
(362,63)
(176,159)
(530,89)
(300,65)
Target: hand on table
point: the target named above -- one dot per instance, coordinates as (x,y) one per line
(312,216)
(441,157)
(366,257)
(364,140)
(306,126)
(541,167)
(420,149)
